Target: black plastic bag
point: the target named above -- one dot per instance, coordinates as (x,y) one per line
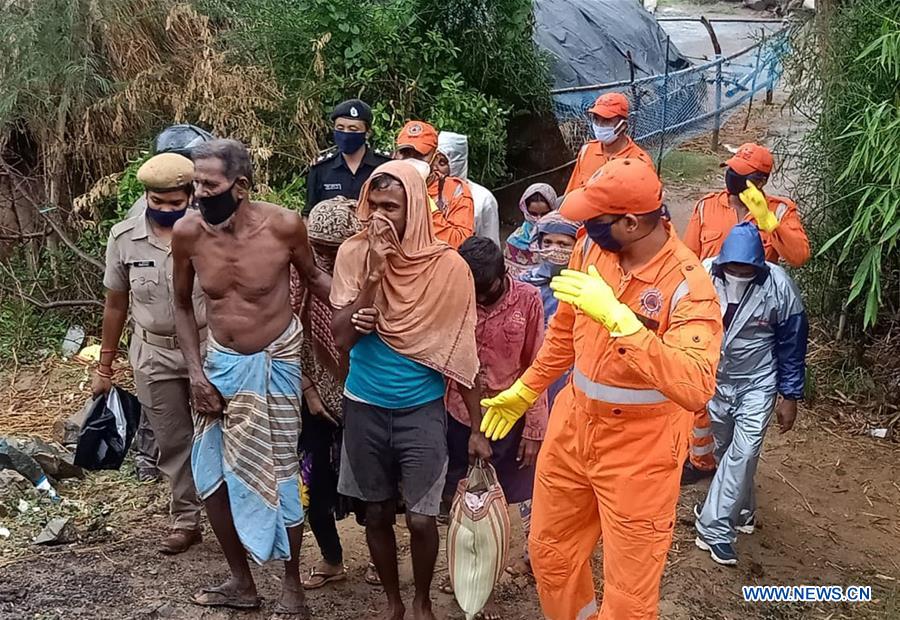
(108,429)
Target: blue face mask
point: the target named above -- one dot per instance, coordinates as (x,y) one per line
(601,234)
(349,141)
(165,219)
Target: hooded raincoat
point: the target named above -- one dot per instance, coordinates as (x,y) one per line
(763,355)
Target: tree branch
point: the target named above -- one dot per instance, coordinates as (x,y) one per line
(59,232)
(23,236)
(49,305)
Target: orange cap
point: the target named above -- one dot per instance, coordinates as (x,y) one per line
(751,158)
(610,105)
(418,135)
(621,186)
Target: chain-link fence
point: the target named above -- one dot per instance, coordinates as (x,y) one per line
(670,108)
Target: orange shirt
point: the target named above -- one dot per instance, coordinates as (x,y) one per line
(713,219)
(592,156)
(668,365)
(454,220)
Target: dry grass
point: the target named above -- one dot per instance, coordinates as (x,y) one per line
(36,400)
(166,59)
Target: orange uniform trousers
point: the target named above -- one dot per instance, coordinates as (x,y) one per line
(612,475)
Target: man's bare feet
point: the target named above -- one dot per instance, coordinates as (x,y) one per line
(292,605)
(393,612)
(490,612)
(232,594)
(422,610)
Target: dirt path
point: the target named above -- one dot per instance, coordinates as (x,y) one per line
(828,515)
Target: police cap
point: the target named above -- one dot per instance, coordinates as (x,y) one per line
(353,108)
(166,172)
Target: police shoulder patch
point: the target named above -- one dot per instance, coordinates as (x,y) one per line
(326,155)
(124,226)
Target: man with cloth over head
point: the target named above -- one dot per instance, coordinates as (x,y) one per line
(404,309)
(246,392)
(139,276)
(640,323)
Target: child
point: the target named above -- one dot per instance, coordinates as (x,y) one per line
(509,332)
(538,200)
(555,240)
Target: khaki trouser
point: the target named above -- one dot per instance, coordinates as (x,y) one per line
(145,448)
(167,406)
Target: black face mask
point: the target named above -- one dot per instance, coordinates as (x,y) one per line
(216,209)
(735,183)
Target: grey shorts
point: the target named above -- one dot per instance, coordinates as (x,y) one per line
(387,449)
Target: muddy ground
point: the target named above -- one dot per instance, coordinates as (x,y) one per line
(828,515)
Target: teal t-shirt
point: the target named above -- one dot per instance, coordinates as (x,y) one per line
(382,377)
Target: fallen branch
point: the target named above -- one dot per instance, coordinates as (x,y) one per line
(802,496)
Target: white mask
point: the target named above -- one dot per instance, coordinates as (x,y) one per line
(606,135)
(735,287)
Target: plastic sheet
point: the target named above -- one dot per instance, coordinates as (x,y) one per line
(589,41)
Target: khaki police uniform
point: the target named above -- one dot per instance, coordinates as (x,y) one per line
(139,262)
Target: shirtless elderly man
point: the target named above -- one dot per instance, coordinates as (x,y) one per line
(246,393)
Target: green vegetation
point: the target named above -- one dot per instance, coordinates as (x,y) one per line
(90,83)
(846,77)
(683,166)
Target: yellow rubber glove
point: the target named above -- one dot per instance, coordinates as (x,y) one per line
(756,203)
(505,409)
(590,293)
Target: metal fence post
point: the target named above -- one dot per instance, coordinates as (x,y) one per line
(753,81)
(717,120)
(665,107)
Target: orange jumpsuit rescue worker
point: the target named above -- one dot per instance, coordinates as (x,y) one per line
(743,201)
(714,216)
(452,206)
(640,322)
(609,124)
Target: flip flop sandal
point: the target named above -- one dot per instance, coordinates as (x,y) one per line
(280,612)
(223,598)
(318,579)
(372,577)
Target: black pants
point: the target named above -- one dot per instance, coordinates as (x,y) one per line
(316,439)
